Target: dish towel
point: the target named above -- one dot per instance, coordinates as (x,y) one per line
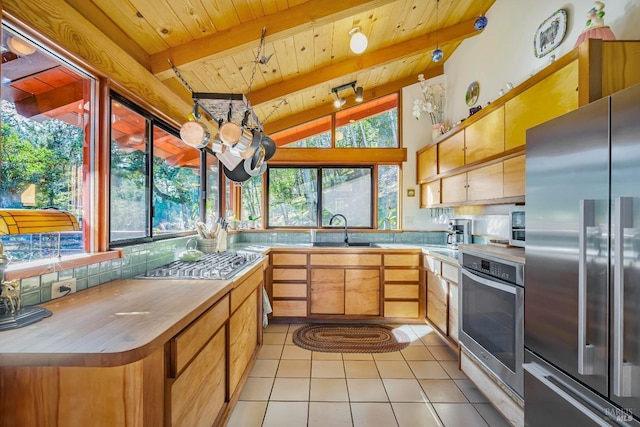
(266,308)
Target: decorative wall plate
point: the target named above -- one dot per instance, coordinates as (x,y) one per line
(550,33)
(473,92)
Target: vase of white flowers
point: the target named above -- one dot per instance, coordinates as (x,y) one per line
(432,105)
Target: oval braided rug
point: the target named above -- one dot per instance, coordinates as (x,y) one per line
(337,338)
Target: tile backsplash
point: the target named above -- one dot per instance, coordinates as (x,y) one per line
(139,258)
(136,260)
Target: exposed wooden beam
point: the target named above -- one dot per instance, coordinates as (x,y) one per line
(283,24)
(451,34)
(296,156)
(72,34)
(97,17)
(328,108)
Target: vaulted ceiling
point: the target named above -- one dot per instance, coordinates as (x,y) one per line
(214,43)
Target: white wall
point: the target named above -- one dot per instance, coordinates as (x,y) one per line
(502,53)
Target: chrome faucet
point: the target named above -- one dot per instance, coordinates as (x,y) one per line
(346,230)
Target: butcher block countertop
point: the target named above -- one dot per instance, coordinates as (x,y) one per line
(509,253)
(113,324)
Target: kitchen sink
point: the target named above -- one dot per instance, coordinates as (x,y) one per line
(343,245)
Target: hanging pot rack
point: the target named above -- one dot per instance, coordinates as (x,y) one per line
(246,153)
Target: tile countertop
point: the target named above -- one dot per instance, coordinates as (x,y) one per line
(510,253)
(441,252)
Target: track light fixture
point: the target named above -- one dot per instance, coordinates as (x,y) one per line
(358,42)
(341,100)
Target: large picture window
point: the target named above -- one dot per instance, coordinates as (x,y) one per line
(298,197)
(156,198)
(47,112)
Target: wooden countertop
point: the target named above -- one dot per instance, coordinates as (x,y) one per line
(510,253)
(112,324)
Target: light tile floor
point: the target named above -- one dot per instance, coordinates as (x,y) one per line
(418,386)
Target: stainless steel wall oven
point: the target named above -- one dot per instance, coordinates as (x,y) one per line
(492,315)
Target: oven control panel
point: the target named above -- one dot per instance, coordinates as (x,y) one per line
(508,272)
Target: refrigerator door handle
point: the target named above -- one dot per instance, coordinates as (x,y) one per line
(585,351)
(621,372)
(545,377)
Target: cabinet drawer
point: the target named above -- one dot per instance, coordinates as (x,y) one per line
(245,288)
(290,274)
(450,272)
(401,275)
(193,338)
(402,260)
(289,259)
(401,309)
(401,291)
(346,259)
(197,396)
(289,290)
(283,308)
(432,264)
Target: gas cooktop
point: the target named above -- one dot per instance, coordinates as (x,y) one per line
(218,266)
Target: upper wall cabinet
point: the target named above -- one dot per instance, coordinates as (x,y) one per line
(496,136)
(484,138)
(550,98)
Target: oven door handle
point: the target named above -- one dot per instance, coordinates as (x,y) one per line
(505,288)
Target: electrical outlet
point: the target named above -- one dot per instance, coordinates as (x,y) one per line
(55,288)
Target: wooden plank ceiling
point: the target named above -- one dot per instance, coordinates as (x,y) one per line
(214,44)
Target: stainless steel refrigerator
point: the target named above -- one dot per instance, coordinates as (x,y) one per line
(582,272)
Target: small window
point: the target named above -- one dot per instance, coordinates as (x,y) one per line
(373,124)
(176,183)
(347,191)
(293,197)
(388,182)
(315,134)
(252,200)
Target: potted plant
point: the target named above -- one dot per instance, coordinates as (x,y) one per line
(252,220)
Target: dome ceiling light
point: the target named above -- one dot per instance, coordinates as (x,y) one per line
(358,42)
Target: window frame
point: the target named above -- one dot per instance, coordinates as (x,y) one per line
(154,122)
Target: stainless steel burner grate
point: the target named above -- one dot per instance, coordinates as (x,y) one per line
(211,266)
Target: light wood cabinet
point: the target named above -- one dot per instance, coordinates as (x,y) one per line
(442,297)
(451,153)
(199,393)
(402,291)
(485,137)
(430,194)
(345,291)
(288,286)
(427,161)
(454,189)
(437,290)
(595,69)
(327,291)
(244,327)
(485,183)
(362,292)
(549,98)
(514,176)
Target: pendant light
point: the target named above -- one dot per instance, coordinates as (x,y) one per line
(437,54)
(481,21)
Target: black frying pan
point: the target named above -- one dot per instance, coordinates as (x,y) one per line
(269,147)
(238,174)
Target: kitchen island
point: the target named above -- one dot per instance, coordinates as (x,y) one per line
(135,352)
